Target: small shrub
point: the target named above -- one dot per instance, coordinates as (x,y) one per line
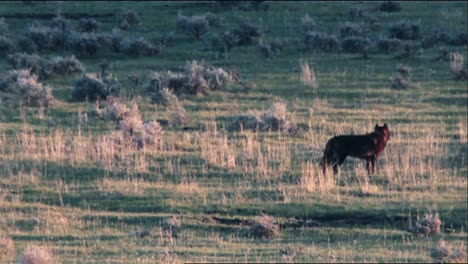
(7,249)
(442,55)
(427,225)
(458,39)
(276,118)
(138,47)
(400,83)
(37,255)
(196,78)
(389,6)
(84,43)
(267,49)
(26,84)
(410,49)
(355,44)
(131,122)
(212,19)
(114,110)
(60,66)
(456,66)
(246,33)
(89,25)
(404,30)
(389,45)
(165,97)
(6,46)
(171,227)
(349,29)
(224,42)
(33,62)
(92,87)
(128,18)
(356,13)
(152,133)
(404,70)
(3,27)
(25,44)
(47,38)
(178,116)
(307,23)
(246,121)
(264,227)
(194,25)
(321,41)
(60,23)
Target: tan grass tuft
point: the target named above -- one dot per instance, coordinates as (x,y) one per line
(37,255)
(444,253)
(7,249)
(308,75)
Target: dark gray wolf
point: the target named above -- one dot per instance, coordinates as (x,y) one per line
(368,147)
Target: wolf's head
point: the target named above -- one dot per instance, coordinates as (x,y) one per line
(383,130)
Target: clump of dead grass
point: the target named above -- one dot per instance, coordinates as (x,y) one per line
(443,253)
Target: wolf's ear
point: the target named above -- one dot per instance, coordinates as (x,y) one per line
(385,125)
(376,126)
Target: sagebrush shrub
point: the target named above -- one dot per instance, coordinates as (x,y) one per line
(26,85)
(6,46)
(321,41)
(114,110)
(224,42)
(152,133)
(61,23)
(164,96)
(404,30)
(47,38)
(3,26)
(350,29)
(88,25)
(84,43)
(194,25)
(60,66)
(196,78)
(138,47)
(91,86)
(34,62)
(127,18)
(389,45)
(246,33)
(389,6)
(264,227)
(307,23)
(355,44)
(44,68)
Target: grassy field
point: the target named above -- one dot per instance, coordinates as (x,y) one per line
(67,187)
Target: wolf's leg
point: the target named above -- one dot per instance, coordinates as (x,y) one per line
(368,163)
(324,164)
(374,159)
